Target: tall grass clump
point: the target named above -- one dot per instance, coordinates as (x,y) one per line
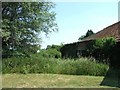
(39,64)
(82,66)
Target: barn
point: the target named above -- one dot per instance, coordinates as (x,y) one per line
(74,50)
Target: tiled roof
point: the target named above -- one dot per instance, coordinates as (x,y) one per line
(110,31)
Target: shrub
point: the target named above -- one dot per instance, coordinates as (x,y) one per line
(38,64)
(101,49)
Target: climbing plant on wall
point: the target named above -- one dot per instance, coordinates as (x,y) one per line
(101,49)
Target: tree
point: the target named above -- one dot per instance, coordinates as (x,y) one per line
(81,37)
(22,24)
(57,47)
(89,32)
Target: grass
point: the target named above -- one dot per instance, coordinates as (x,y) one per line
(52,81)
(39,72)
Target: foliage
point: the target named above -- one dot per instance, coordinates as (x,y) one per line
(81,37)
(89,33)
(50,53)
(22,24)
(40,64)
(101,48)
(57,47)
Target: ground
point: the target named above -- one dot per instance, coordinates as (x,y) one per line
(54,81)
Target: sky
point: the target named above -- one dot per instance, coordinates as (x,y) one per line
(75,18)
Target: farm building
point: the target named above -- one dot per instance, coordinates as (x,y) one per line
(75,49)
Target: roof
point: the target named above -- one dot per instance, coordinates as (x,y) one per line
(110,31)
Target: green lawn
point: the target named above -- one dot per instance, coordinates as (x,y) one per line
(52,80)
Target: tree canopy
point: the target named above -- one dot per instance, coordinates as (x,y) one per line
(57,47)
(22,24)
(89,32)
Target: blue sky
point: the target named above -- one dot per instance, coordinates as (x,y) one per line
(75,18)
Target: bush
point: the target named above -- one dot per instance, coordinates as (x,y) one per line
(38,64)
(101,49)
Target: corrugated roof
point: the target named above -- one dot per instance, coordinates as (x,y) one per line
(110,31)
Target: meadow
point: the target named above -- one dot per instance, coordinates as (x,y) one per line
(39,71)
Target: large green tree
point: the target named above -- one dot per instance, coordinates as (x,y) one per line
(22,24)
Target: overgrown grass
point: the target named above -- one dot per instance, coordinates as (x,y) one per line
(38,64)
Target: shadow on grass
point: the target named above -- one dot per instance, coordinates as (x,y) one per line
(112,78)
